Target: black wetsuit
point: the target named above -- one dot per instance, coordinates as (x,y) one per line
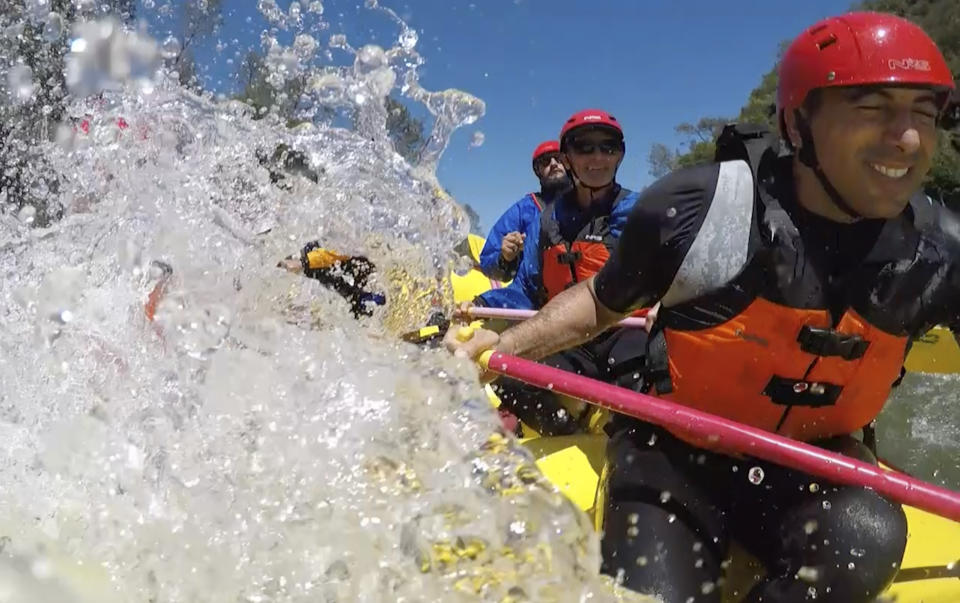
(674,508)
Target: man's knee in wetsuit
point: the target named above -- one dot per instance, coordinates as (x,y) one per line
(837,543)
(842,544)
(661,534)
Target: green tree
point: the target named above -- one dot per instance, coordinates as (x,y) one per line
(472,215)
(699,143)
(258,91)
(40,47)
(405,131)
(200,18)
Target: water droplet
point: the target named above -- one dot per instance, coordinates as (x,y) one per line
(698,563)
(808,573)
(66,316)
(707,587)
(652,440)
(633,518)
(814,487)
(826,505)
(408,39)
(41,568)
(672,212)
(851,566)
(665,497)
(633,531)
(170,48)
(811,526)
(735,468)
(53,28)
(27,214)
(671,518)
(857,552)
(812,592)
(755,475)
(641,560)
(316,7)
(697,546)
(20,83)
(477,139)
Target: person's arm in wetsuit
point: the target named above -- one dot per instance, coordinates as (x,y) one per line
(658,233)
(515,220)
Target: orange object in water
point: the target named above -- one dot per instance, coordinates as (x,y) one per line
(158,291)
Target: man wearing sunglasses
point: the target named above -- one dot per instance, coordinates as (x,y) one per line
(500,257)
(576,235)
(791,286)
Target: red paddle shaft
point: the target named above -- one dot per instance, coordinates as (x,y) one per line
(733,436)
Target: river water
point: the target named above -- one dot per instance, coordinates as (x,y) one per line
(253,442)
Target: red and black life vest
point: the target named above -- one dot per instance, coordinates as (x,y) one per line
(564,263)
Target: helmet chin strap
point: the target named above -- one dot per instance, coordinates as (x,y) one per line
(808,157)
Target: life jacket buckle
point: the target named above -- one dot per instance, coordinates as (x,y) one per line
(827,342)
(797,392)
(569,257)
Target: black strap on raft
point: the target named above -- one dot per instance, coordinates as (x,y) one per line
(432,332)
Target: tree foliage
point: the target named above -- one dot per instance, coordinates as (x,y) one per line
(699,146)
(284,97)
(405,131)
(939,18)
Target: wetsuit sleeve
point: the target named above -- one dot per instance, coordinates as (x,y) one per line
(490,261)
(658,233)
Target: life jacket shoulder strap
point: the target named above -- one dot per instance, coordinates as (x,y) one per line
(536,201)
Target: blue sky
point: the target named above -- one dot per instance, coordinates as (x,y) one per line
(652,63)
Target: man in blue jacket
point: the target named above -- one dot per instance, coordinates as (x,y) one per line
(501,255)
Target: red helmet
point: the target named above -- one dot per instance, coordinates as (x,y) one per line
(590,117)
(859,49)
(549,146)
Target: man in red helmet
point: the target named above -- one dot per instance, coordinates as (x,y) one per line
(576,234)
(791,287)
(500,257)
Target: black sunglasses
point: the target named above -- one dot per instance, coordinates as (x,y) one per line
(585,147)
(544,160)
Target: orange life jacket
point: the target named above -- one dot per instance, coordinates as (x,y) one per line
(563,263)
(784,369)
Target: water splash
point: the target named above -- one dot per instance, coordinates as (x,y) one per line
(252,442)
